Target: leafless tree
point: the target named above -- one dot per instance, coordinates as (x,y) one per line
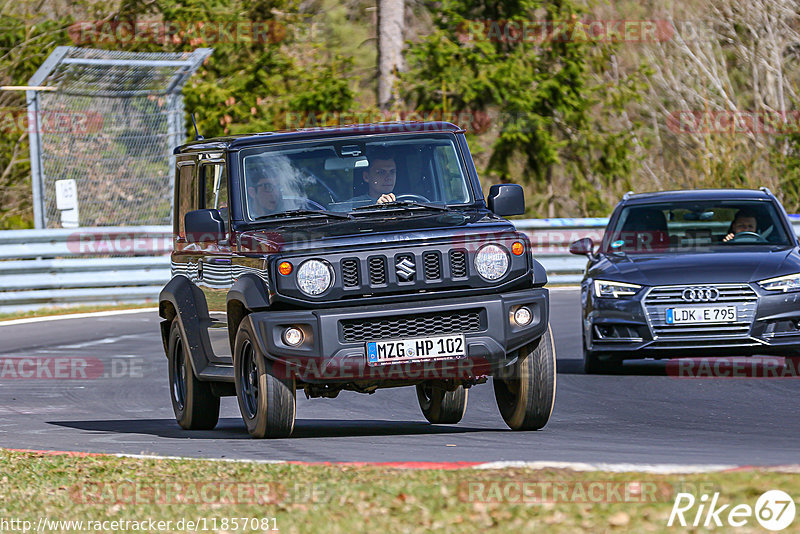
(391,23)
(736,59)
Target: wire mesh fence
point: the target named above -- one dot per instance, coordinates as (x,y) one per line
(103,139)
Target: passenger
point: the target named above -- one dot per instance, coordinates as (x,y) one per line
(745,221)
(264,195)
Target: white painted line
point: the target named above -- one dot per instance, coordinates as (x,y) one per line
(157,457)
(103,341)
(76,316)
(657,469)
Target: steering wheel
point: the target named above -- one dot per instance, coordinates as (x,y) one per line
(411,196)
(746,237)
(330,192)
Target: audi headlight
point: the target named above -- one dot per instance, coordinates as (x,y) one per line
(314,277)
(790,282)
(603,288)
(491,262)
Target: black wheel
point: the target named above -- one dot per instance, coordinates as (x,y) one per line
(526,393)
(195,405)
(440,406)
(267,402)
(594,364)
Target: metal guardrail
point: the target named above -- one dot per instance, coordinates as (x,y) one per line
(40,268)
(105,265)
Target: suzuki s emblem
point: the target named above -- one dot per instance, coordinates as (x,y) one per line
(700,294)
(405,268)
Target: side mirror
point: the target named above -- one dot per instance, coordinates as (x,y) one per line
(583,247)
(204,225)
(506,199)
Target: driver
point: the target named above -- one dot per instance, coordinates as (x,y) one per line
(745,221)
(380,177)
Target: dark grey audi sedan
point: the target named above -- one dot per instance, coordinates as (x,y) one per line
(689,273)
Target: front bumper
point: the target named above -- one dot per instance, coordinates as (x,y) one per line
(334,346)
(633,327)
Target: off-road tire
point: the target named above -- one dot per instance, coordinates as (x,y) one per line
(526,392)
(194,404)
(266,401)
(442,407)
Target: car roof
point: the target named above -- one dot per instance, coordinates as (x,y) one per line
(244,140)
(690,195)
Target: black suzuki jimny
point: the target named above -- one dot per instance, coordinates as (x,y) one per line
(350,258)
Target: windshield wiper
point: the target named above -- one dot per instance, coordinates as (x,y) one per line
(400,204)
(300,213)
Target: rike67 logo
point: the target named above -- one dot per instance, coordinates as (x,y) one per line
(774,510)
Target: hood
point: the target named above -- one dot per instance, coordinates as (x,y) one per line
(315,234)
(716,266)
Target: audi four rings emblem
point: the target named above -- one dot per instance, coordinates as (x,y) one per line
(700,294)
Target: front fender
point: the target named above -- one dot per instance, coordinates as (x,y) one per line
(192,312)
(539,274)
(251,291)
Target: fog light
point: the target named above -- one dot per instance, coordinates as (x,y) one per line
(522,316)
(292,336)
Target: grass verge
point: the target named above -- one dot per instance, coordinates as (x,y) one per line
(347,499)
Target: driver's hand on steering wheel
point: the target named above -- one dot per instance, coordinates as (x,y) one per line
(387,197)
(728,237)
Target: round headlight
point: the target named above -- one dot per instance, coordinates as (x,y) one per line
(491,262)
(314,277)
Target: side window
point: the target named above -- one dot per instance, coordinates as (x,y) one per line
(453,184)
(186,196)
(215,186)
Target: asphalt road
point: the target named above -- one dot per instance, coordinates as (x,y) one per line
(639,416)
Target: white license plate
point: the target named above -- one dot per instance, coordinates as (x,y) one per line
(716,314)
(420,348)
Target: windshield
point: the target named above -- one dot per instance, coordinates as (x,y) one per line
(695,226)
(346,174)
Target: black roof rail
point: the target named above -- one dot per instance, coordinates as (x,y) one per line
(766,190)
